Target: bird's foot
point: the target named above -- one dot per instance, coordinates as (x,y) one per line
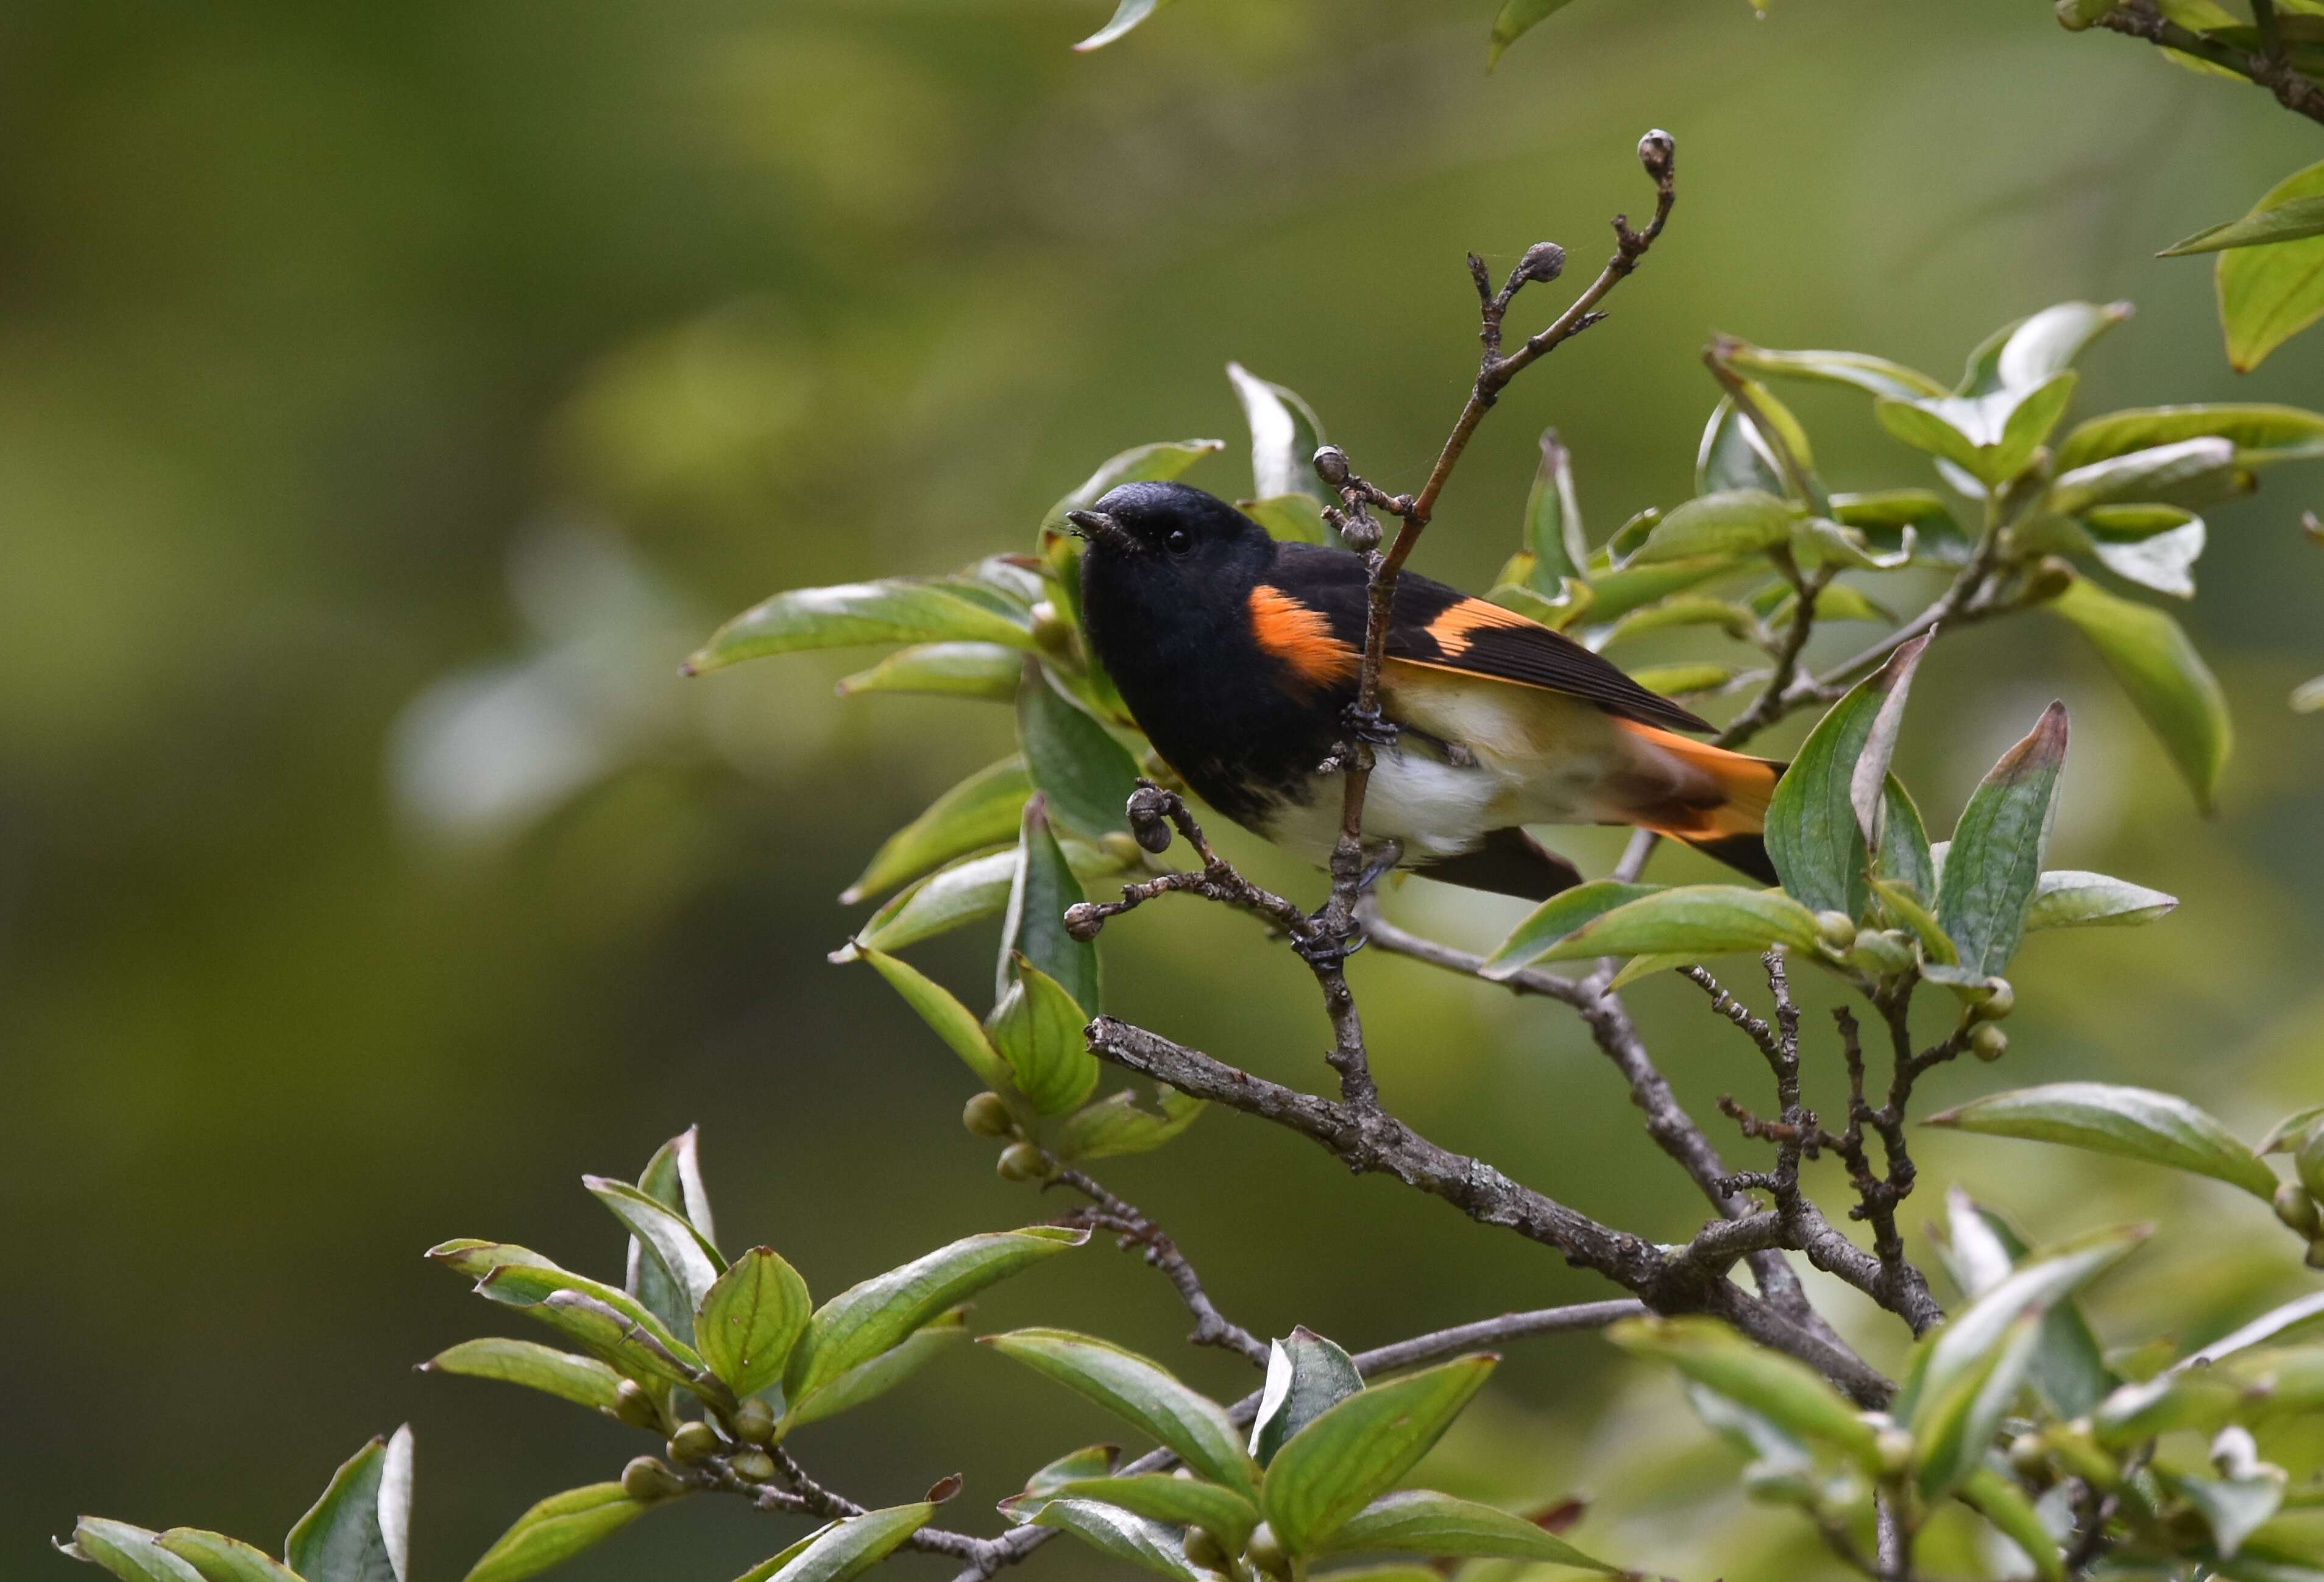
(1390,853)
(1370,725)
(1321,949)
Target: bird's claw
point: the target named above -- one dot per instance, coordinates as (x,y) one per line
(1326,949)
(1370,725)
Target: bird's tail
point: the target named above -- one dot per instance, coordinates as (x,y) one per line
(1727,823)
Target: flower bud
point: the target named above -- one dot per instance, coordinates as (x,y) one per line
(754,1421)
(1546,261)
(1083,922)
(1988,1043)
(1023,1162)
(1893,1448)
(1204,1549)
(1150,818)
(1837,930)
(635,1404)
(1999,1002)
(2297,1210)
(1656,151)
(752,1466)
(646,1478)
(1361,534)
(693,1441)
(1880,951)
(1265,1551)
(1331,465)
(2079,15)
(2052,577)
(987,1116)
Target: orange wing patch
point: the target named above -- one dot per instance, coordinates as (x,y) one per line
(1299,637)
(1453,630)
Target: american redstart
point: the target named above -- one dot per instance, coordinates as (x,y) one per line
(1238,656)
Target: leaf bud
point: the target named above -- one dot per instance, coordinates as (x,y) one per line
(752,1466)
(2315,1258)
(2080,15)
(1265,1551)
(1893,1448)
(2000,999)
(1881,951)
(2307,1164)
(754,1421)
(1023,1162)
(693,1441)
(1360,533)
(2051,578)
(647,1479)
(1656,150)
(2029,1457)
(1837,930)
(1331,465)
(986,1116)
(2297,1210)
(1150,818)
(1205,1550)
(1988,1043)
(1083,922)
(1544,261)
(635,1404)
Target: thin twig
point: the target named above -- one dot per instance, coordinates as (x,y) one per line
(2293,91)
(1127,1220)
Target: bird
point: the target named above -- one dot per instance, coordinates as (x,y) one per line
(1238,656)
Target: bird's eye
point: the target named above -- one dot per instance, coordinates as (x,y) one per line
(1179,541)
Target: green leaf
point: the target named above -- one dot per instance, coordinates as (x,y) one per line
(845,1549)
(979,670)
(1126,15)
(1817,819)
(610,1335)
(898,610)
(1883,516)
(671,1179)
(1733,455)
(750,1318)
(2025,353)
(867,1380)
(1735,521)
(866,1320)
(1615,593)
(950,1021)
(1981,1251)
(1902,902)
(1142,1392)
(360,1531)
(1124,1123)
(961,894)
(1553,521)
(1556,919)
(2268,294)
(1516,18)
(1421,1521)
(1997,1499)
(2154,545)
(2285,1135)
(1992,437)
(1111,1531)
(684,1253)
(2251,426)
(1788,1393)
(134,1554)
(1994,863)
(582,1380)
(2068,897)
(2166,679)
(1358,1449)
(1285,433)
(1089,1461)
(1857,370)
(519,1277)
(1294,518)
(1041,889)
(2186,470)
(556,1530)
(1678,680)
(219,1559)
(2302,216)
(980,813)
(2135,1123)
(1037,1029)
(2232,1507)
(1074,761)
(1158,1496)
(1695,920)
(1306,1376)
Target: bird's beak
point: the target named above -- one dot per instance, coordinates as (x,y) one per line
(1097,528)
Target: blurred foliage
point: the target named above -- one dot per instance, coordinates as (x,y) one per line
(350,357)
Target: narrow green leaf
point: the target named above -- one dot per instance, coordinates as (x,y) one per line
(1733,455)
(961,894)
(2302,216)
(1158,1496)
(1558,918)
(950,1021)
(2036,349)
(1788,1393)
(2268,294)
(1736,521)
(2164,677)
(2135,1123)
(1816,821)
(1553,520)
(1087,774)
(845,1549)
(1698,920)
(1994,864)
(1904,906)
(1682,680)
(867,1380)
(1517,18)
(518,1277)
(750,1318)
(866,1320)
(2298,1314)
(1992,436)
(1421,1521)
(2232,1507)
(134,1554)
(1614,593)
(1294,519)
(684,1253)
(613,1336)
(1306,1376)
(2154,545)
(1997,1499)
(1126,15)
(1142,1392)
(1148,1545)
(1285,433)
(556,1530)
(359,1529)
(2285,1135)
(980,812)
(1089,1461)
(2251,426)
(582,1380)
(895,610)
(1125,1123)
(673,1179)
(2183,472)
(1041,887)
(2068,897)
(1875,375)
(1358,1449)
(1037,1029)
(219,1559)
(978,670)
(1981,1250)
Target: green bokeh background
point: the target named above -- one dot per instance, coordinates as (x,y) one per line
(360,366)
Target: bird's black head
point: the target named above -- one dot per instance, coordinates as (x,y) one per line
(1162,534)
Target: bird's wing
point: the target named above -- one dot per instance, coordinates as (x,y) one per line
(1443,628)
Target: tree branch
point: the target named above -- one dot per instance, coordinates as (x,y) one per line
(2294,92)
(1127,1220)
